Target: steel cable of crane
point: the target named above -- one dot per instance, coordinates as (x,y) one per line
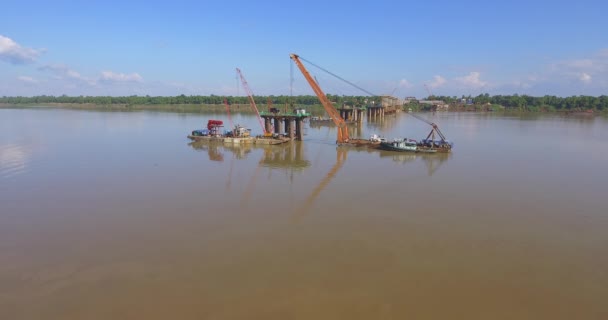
(421,118)
(337,76)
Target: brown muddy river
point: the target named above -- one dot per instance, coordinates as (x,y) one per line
(109,215)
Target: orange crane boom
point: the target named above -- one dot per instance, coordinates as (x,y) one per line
(228,111)
(329,108)
(251,101)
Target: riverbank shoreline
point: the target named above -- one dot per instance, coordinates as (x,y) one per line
(244,108)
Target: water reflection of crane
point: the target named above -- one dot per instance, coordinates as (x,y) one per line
(341,154)
(288,157)
(212,149)
(432,161)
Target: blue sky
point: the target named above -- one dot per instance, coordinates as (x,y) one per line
(193,47)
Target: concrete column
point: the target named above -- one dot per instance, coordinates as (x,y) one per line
(299,135)
(268,124)
(288,127)
(277,125)
(291,129)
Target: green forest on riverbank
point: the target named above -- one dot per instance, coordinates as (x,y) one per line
(196,103)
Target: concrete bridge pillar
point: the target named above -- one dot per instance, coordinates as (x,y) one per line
(277,126)
(299,135)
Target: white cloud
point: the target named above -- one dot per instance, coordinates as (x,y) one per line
(437,82)
(62,71)
(405,84)
(110,76)
(70,81)
(12,52)
(585,69)
(471,80)
(584,77)
(27,79)
(581,63)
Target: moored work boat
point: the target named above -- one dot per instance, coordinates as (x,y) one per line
(401,145)
(411,145)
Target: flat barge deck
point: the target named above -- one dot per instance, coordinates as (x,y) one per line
(244,140)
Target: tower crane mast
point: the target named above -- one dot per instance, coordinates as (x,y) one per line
(428,90)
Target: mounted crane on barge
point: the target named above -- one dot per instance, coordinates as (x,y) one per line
(429,144)
(267,137)
(252,102)
(343,136)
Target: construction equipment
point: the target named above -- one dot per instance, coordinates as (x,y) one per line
(214,127)
(428,90)
(228,111)
(443,144)
(432,124)
(252,102)
(329,108)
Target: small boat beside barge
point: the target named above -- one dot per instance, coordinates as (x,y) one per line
(411,145)
(402,145)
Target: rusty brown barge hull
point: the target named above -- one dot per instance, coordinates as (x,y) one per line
(245,140)
(365,143)
(361,143)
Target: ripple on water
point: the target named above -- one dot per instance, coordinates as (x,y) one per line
(13,160)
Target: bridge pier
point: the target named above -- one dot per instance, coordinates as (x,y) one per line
(287,125)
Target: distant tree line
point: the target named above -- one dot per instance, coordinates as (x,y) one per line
(181,99)
(514,102)
(531,103)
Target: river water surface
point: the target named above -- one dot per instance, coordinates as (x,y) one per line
(116,215)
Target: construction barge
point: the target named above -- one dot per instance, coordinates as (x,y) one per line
(248,140)
(238,135)
(339,117)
